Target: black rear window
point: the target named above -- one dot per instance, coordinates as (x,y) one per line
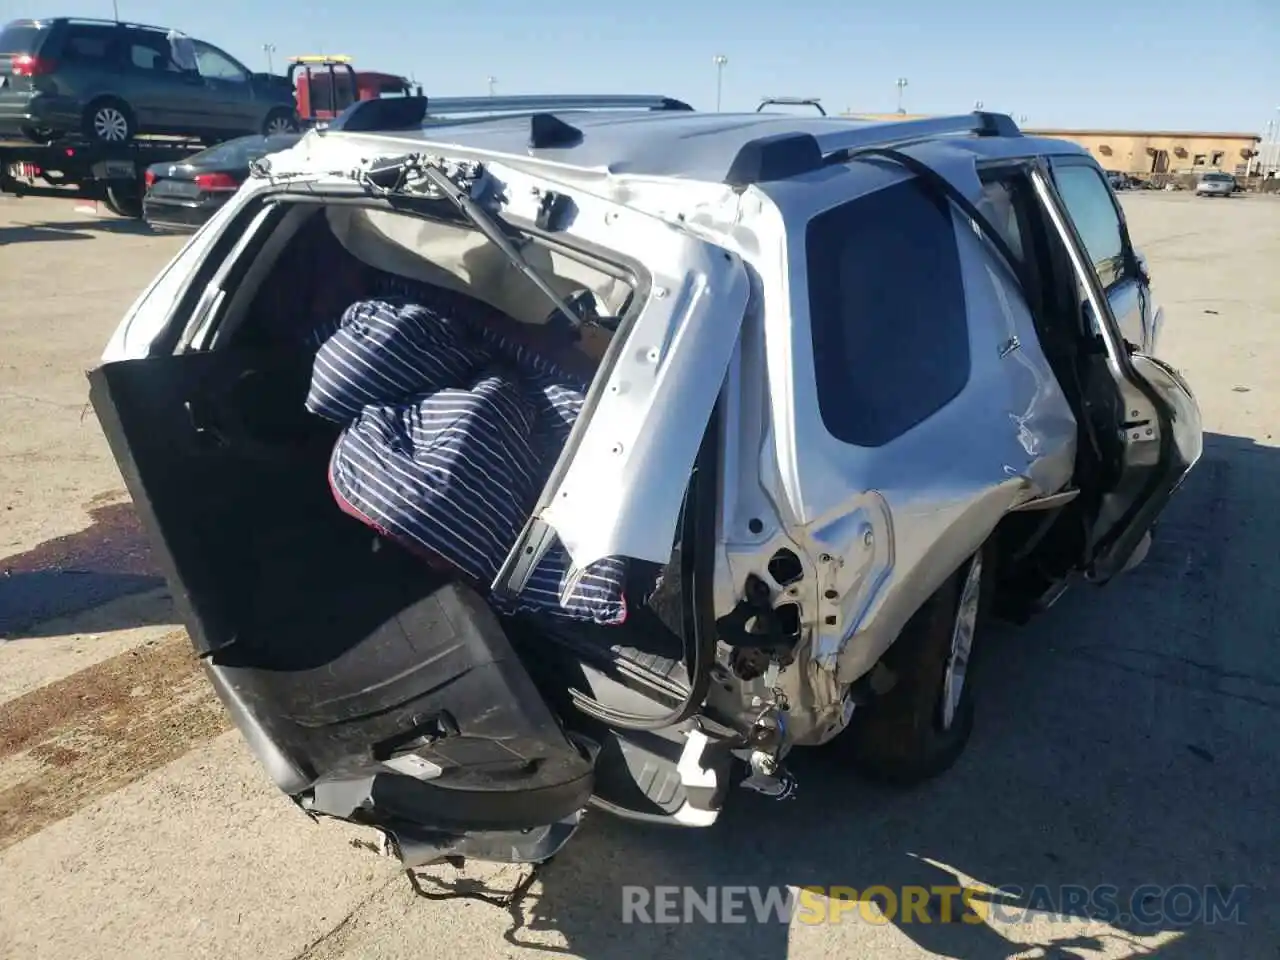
(237,154)
(887,313)
(21,37)
(89,43)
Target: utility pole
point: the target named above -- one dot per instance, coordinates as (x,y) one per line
(269,49)
(719,60)
(901,84)
(1275,144)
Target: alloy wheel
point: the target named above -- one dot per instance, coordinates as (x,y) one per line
(279,125)
(110,125)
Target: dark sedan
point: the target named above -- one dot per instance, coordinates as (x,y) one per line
(183,195)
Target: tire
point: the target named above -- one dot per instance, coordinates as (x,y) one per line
(279,121)
(123,203)
(918,729)
(109,121)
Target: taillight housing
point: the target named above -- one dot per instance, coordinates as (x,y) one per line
(26,65)
(217,182)
(149,179)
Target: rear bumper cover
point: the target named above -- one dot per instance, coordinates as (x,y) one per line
(179,215)
(20,109)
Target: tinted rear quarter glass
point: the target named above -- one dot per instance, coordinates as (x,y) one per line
(21,38)
(88,44)
(887,313)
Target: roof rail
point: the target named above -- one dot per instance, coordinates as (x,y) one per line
(407,113)
(815,102)
(111,23)
(780,156)
(536,103)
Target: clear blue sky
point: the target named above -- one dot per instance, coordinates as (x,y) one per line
(1182,64)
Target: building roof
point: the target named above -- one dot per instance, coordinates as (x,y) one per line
(1172,134)
(1086,132)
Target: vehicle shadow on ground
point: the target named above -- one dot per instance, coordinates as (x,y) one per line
(70,230)
(1126,738)
(109,559)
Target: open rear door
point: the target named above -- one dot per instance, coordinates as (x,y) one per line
(1157,418)
(371,686)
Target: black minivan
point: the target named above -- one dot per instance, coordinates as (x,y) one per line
(110,81)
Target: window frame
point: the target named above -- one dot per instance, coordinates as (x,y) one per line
(1127,267)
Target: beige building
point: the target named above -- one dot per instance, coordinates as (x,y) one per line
(1163,151)
(1141,152)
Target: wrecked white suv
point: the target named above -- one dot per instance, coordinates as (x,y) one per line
(598,452)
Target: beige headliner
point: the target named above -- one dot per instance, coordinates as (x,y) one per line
(460,258)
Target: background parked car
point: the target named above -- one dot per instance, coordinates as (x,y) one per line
(112,81)
(183,195)
(1215,185)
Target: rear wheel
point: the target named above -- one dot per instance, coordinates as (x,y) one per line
(278,122)
(109,121)
(124,202)
(919,728)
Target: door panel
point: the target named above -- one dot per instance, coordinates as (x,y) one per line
(163,96)
(371,686)
(1157,419)
(228,92)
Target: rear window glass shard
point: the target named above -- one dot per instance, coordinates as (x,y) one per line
(887,313)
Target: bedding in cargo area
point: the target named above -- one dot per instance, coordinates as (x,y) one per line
(450,430)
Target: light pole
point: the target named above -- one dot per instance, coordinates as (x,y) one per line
(901,84)
(1264,148)
(719,60)
(115,10)
(269,49)
(1275,143)
(493,81)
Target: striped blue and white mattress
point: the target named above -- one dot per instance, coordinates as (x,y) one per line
(450,431)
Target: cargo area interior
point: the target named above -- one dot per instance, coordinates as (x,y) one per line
(311,619)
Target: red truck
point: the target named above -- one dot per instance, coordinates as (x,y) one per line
(326,84)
